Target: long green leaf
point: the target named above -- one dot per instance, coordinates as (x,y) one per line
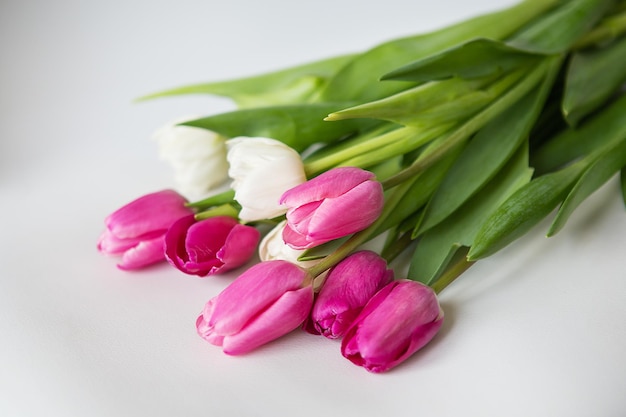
(473,59)
(287,86)
(592,77)
(298,126)
(557,31)
(485,155)
(437,246)
(523,210)
(418,191)
(599,172)
(359,80)
(574,143)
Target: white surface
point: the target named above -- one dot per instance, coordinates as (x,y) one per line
(537,330)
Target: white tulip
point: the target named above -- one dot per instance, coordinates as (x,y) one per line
(198,157)
(262,170)
(273,247)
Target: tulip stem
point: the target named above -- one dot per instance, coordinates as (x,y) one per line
(223,210)
(453,272)
(225,197)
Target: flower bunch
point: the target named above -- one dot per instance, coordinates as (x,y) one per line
(450,145)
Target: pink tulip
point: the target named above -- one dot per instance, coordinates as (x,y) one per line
(267,301)
(210,246)
(348,286)
(398,321)
(137,230)
(334,204)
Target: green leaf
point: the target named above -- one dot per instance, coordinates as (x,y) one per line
(523,210)
(415,193)
(437,247)
(531,80)
(322,251)
(599,172)
(298,126)
(571,144)
(449,101)
(592,77)
(485,155)
(474,59)
(292,85)
(359,80)
(558,30)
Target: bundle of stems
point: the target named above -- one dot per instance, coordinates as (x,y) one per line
(477,131)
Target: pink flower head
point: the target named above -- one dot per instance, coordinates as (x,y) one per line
(267,301)
(334,204)
(137,230)
(210,246)
(348,286)
(398,321)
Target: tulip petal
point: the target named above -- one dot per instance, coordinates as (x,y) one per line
(347,288)
(206,237)
(111,245)
(296,240)
(329,184)
(399,320)
(149,213)
(280,318)
(335,217)
(204,329)
(146,253)
(175,250)
(239,246)
(262,170)
(252,292)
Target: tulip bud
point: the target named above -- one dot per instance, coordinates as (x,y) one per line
(197,156)
(273,247)
(211,246)
(262,170)
(267,301)
(332,205)
(137,230)
(398,321)
(348,286)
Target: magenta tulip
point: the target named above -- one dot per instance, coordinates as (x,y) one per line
(398,321)
(210,246)
(136,231)
(267,301)
(348,286)
(334,204)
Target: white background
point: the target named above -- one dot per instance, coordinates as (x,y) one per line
(537,330)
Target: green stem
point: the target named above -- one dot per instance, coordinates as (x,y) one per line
(453,272)
(363,146)
(466,130)
(215,200)
(223,210)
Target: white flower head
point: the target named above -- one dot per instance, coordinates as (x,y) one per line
(198,157)
(273,247)
(262,170)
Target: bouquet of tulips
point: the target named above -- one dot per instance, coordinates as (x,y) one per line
(446,146)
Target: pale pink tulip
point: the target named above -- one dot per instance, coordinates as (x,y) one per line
(334,204)
(211,246)
(398,321)
(136,231)
(264,303)
(348,286)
